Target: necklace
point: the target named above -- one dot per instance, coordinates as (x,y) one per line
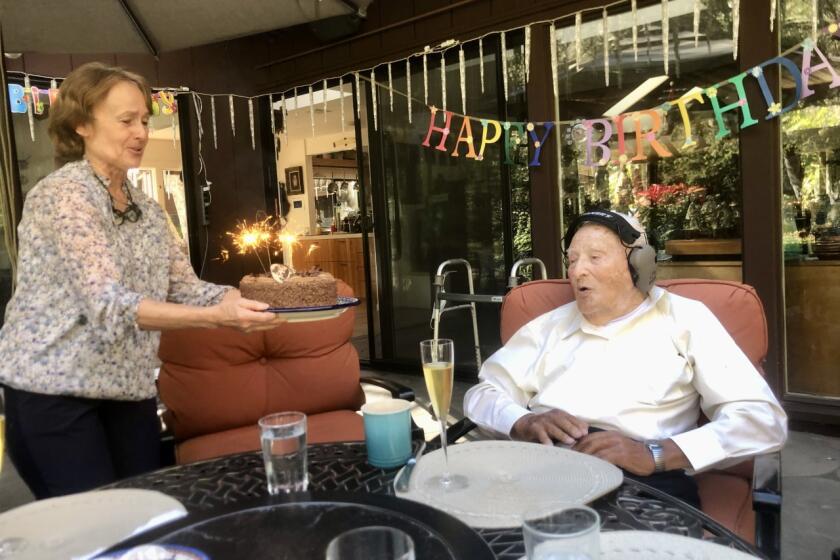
(132,212)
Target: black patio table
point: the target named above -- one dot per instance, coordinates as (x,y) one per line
(222,484)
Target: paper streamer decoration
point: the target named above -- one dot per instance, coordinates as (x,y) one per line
(736,26)
(251,121)
(312,110)
(232,117)
(273,125)
(359,94)
(635,13)
(578,45)
(504,67)
(425,80)
(174,126)
(527,53)
(341,100)
(443,77)
(696,23)
(213,117)
(390,88)
(294,99)
(462,69)
(408,86)
(814,17)
(373,97)
(772,14)
(285,118)
(666,36)
(324,104)
(30,105)
(605,31)
(481,62)
(552,46)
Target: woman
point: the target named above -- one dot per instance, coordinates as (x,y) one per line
(100,273)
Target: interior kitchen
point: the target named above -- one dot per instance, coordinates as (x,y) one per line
(319,185)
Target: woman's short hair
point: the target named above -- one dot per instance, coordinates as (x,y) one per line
(80,92)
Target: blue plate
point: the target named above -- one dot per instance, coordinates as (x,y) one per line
(305,314)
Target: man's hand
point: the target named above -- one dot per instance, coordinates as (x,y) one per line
(621,451)
(549,427)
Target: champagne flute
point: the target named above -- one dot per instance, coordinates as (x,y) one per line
(438,358)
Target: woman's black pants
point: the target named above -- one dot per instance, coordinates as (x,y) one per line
(62,445)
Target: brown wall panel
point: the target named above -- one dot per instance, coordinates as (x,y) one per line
(142,64)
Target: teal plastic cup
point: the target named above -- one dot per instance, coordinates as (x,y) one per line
(388,432)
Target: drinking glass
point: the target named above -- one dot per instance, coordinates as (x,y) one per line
(283,438)
(438,358)
(569,534)
(371,543)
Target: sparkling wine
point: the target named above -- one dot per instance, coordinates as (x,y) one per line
(439,384)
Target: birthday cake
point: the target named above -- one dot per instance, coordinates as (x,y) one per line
(313,288)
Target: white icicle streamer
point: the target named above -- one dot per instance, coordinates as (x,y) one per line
(815,16)
(696,23)
(390,88)
(312,110)
(273,126)
(666,36)
(425,80)
(294,99)
(504,67)
(772,14)
(358,96)
(174,130)
(481,62)
(213,116)
(285,117)
(251,121)
(552,39)
(30,106)
(605,30)
(736,26)
(527,53)
(232,118)
(578,45)
(462,71)
(324,105)
(635,14)
(341,99)
(443,78)
(373,98)
(408,86)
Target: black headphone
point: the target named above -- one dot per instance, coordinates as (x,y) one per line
(641,260)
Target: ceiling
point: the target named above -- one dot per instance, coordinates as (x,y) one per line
(108,26)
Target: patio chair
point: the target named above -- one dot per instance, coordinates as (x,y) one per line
(745,498)
(217,383)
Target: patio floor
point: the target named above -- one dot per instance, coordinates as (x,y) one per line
(810,469)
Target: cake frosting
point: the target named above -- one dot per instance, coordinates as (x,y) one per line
(303,289)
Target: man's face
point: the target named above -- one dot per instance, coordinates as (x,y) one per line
(599,274)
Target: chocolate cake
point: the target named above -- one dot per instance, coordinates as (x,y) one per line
(302,289)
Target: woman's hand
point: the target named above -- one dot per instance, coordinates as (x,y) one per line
(244,314)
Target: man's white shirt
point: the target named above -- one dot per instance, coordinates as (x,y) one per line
(643,375)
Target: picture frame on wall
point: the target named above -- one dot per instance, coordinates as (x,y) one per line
(294,180)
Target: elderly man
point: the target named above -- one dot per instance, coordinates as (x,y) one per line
(623,371)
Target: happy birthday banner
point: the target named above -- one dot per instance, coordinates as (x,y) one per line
(598,132)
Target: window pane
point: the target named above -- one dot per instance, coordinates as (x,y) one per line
(686,191)
(811,209)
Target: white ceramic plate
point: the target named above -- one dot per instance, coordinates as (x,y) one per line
(83,525)
(306,314)
(650,545)
(508,478)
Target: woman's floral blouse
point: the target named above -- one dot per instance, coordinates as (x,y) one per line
(71,326)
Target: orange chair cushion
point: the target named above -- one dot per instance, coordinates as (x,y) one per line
(327,427)
(217,383)
(726,495)
(727,499)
